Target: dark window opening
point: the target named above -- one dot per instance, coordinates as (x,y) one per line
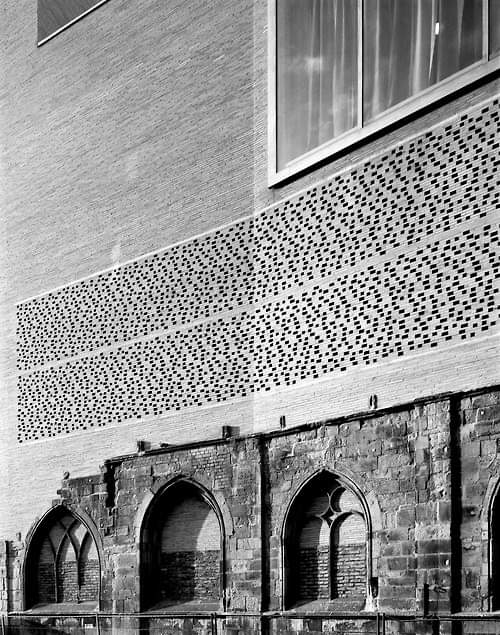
(495,554)
(326,546)
(181,551)
(63,563)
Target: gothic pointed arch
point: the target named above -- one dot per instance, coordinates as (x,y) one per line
(62,563)
(182,549)
(495,551)
(490,528)
(327,554)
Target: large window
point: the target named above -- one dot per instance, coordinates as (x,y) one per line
(56,15)
(346,68)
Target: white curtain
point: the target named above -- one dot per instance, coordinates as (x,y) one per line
(410,45)
(494,21)
(317,73)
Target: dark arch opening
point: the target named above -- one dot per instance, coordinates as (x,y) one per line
(62,564)
(182,550)
(326,546)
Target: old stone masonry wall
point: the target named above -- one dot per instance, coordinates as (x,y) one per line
(409,494)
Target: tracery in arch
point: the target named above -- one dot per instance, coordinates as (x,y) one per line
(326,544)
(63,563)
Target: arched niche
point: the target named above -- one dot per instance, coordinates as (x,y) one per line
(491,587)
(490,552)
(326,538)
(495,552)
(62,565)
(182,550)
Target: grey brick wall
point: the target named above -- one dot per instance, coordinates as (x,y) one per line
(115,132)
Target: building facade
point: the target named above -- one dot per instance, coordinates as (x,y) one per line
(248,348)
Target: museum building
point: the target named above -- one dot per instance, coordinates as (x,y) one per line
(249,372)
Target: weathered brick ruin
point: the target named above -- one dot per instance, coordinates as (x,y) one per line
(394,511)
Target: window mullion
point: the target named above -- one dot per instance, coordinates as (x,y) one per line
(360,122)
(486,30)
(330,562)
(56,583)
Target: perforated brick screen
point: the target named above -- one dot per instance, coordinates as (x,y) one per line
(397,255)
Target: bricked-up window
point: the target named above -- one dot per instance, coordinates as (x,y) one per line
(326,545)
(63,563)
(346,68)
(56,15)
(182,556)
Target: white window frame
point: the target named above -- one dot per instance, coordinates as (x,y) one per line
(97,4)
(434,93)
